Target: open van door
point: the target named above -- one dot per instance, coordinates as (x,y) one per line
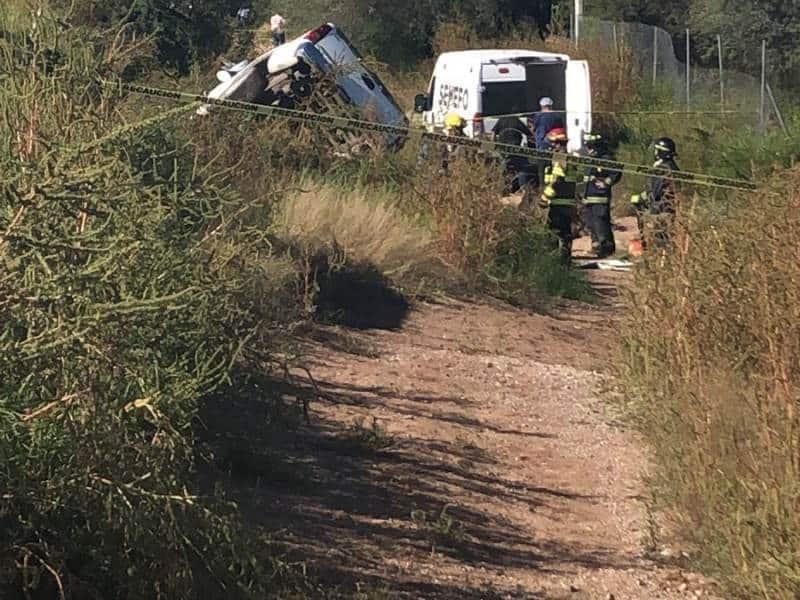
(579,103)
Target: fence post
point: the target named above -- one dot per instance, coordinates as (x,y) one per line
(721,83)
(777,110)
(688,72)
(762,124)
(655,54)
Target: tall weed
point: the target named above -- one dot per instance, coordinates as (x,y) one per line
(465,211)
(711,359)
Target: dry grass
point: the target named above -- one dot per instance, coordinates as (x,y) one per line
(467,213)
(712,357)
(366,227)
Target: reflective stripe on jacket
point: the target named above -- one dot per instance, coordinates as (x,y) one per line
(594,193)
(562,184)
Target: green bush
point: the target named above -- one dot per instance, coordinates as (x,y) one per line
(527,266)
(129,291)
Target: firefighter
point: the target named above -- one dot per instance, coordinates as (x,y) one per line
(559,196)
(454,125)
(655,206)
(597,196)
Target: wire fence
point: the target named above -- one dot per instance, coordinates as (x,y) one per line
(694,87)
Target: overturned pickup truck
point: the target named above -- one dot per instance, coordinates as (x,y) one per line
(321,72)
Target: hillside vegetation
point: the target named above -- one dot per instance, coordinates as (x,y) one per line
(146,270)
(153,265)
(711,356)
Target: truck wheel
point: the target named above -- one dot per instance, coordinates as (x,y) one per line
(302,88)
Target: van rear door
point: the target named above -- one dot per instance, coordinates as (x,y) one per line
(579,102)
(503,91)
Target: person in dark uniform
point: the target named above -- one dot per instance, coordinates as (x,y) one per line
(560,194)
(597,196)
(655,206)
(510,131)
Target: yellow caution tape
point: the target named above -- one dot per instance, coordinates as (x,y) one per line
(342,122)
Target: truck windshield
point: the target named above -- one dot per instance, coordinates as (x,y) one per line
(504,97)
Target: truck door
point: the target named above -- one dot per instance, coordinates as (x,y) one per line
(579,103)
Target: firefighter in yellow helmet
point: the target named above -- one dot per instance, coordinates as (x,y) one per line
(560,193)
(454,125)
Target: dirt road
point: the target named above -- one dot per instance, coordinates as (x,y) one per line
(496,416)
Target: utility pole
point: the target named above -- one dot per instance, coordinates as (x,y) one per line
(721,76)
(578,15)
(762,118)
(688,71)
(655,55)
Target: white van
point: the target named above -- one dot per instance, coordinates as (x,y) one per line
(482,84)
(285,76)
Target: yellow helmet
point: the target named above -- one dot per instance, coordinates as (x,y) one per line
(454,121)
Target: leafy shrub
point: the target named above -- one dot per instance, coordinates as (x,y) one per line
(126,297)
(527,266)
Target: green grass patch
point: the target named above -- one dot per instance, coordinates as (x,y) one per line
(527,269)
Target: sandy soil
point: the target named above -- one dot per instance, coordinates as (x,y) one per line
(501,416)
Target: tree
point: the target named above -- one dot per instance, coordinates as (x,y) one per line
(401,33)
(183,31)
(743,24)
(669,15)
